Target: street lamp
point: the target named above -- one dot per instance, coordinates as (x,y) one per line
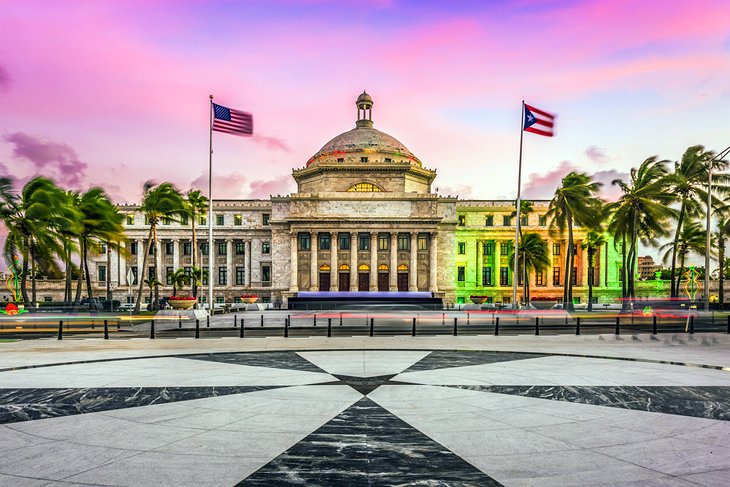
(709,217)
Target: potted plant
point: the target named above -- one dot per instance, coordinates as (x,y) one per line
(249,298)
(181,302)
(478,299)
(544,302)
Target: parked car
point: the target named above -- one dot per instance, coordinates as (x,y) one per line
(94,304)
(126,307)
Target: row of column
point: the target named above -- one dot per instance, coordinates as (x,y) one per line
(392,268)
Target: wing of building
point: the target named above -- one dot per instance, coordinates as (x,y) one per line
(364,219)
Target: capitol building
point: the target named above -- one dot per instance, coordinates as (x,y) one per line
(364,219)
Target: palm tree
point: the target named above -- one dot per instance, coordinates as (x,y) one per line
(196,204)
(179,279)
(152,283)
(592,244)
(723,233)
(692,240)
(70,232)
(576,201)
(688,184)
(532,255)
(162,201)
(641,213)
(196,276)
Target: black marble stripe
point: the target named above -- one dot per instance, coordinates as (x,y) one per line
(275,360)
(712,402)
(443,359)
(366,445)
(29,404)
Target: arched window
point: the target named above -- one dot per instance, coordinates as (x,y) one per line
(383,267)
(402,268)
(364,188)
(363,267)
(324,267)
(344,267)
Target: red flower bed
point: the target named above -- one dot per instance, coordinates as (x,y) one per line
(544,298)
(243,296)
(182,298)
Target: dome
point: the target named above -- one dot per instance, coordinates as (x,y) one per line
(364,98)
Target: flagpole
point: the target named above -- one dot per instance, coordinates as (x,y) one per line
(517,223)
(210,212)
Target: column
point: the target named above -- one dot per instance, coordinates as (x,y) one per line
(313,267)
(141,271)
(175,253)
(353,261)
(334,271)
(394,261)
(230,276)
(549,272)
(293,279)
(413,267)
(247,262)
(373,261)
(583,280)
(497,264)
(433,262)
(479,263)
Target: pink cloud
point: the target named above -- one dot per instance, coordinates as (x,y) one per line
(278,186)
(543,186)
(49,158)
(596,154)
(4,79)
(463,191)
(271,142)
(225,186)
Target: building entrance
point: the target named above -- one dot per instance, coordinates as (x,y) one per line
(402,281)
(344,281)
(324,281)
(383,281)
(363,281)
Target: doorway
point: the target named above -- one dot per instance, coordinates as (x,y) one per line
(324,281)
(363,281)
(344,281)
(383,281)
(402,281)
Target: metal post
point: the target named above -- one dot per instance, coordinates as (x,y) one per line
(691,325)
(456,331)
(240,332)
(60,329)
(152,329)
(197,328)
(92,323)
(728,324)
(329,327)
(179,321)
(496,326)
(314,319)
(443,318)
(413,328)
(468,318)
(106,329)
(653,325)
(119,325)
(618,325)
(235,319)
(537,325)
(372,325)
(577,325)
(207,321)
(286,328)
(340,319)
(262,319)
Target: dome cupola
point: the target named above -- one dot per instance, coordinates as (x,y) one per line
(364,105)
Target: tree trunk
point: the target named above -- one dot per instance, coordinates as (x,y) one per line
(632,257)
(624,301)
(32,276)
(721,260)
(24,278)
(569,265)
(195,254)
(69,268)
(87,275)
(156,304)
(141,272)
(591,273)
(675,287)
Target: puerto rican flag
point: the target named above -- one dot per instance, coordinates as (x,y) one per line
(538,121)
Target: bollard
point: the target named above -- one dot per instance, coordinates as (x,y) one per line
(653,325)
(443,318)
(286,328)
(197,328)
(288,319)
(496,326)
(468,318)
(537,325)
(340,319)
(577,325)
(728,324)
(106,330)
(329,327)
(372,325)
(92,323)
(618,326)
(314,319)
(262,320)
(119,325)
(179,321)
(235,319)
(240,332)
(152,329)
(207,321)
(691,325)
(413,328)
(60,330)
(566,318)
(456,331)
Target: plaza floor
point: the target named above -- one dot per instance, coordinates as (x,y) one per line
(515,411)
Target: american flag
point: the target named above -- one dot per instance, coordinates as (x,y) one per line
(538,121)
(232,121)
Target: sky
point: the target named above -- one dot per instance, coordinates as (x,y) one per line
(115,93)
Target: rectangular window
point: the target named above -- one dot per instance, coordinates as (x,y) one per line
(102,273)
(102,249)
(363,242)
(265,247)
(520,278)
(219,220)
(305,241)
(462,220)
(575,249)
(133,248)
(184,220)
(202,220)
(404,242)
(146,220)
(239,248)
(188,270)
(325,242)
(266,273)
(487,249)
(166,220)
(187,248)
(556,276)
(220,299)
(540,278)
(130,219)
(237,220)
(504,276)
(222,248)
(574,276)
(524,221)
(265,219)
(344,241)
(489,221)
(363,159)
(135,282)
(169,248)
(556,249)
(151,272)
(504,248)
(543,221)
(383,242)
(461,274)
(205,277)
(486,276)
(168,275)
(388,159)
(422,242)
(204,248)
(222,276)
(461,248)
(240,276)
(506,221)
(150,249)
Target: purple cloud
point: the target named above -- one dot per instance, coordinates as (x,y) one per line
(463,191)
(50,157)
(271,142)
(543,186)
(596,154)
(224,185)
(263,189)
(4,79)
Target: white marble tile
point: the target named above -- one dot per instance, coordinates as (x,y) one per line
(364,363)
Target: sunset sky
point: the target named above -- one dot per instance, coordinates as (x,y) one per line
(114,93)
